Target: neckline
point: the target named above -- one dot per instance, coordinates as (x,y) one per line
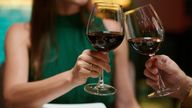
(71,20)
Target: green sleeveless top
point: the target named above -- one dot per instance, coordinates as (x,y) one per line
(71,40)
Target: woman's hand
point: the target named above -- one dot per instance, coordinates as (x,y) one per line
(89,64)
(171,74)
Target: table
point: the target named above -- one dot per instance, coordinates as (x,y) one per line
(84,105)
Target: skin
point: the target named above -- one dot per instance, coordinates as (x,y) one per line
(171,74)
(17,89)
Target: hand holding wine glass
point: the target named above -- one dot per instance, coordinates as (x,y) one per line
(145,33)
(171,73)
(105,33)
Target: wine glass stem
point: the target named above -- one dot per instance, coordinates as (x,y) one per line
(101,80)
(161,83)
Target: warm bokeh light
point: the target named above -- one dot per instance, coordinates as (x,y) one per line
(27,3)
(15,3)
(124,3)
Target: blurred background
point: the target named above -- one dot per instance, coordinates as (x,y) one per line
(176,16)
(12,11)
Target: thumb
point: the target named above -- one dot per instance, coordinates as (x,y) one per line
(165,64)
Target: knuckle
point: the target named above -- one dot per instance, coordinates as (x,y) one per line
(81,71)
(95,75)
(79,63)
(147,64)
(81,57)
(100,69)
(86,51)
(164,56)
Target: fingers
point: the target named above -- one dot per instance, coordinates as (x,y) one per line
(98,55)
(170,72)
(90,67)
(163,63)
(152,84)
(151,70)
(160,61)
(150,63)
(96,58)
(87,73)
(152,75)
(88,70)
(90,64)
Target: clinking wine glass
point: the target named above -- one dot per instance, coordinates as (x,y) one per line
(105,33)
(145,33)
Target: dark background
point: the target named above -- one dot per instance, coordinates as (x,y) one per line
(176,16)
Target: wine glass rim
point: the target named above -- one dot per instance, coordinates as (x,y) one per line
(110,3)
(138,8)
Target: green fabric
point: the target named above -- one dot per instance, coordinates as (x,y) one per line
(71,40)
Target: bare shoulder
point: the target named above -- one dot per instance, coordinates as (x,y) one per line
(18,34)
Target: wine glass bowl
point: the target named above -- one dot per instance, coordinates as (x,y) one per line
(145,33)
(105,41)
(144,29)
(105,33)
(146,45)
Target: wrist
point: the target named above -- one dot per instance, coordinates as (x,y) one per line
(67,77)
(71,78)
(185,88)
(75,79)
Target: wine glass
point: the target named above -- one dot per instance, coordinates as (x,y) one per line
(145,33)
(105,32)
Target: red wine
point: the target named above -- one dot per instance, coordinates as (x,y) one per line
(105,41)
(146,45)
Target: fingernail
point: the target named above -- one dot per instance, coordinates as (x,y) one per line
(155,71)
(109,70)
(150,65)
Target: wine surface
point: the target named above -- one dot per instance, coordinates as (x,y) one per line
(105,41)
(146,45)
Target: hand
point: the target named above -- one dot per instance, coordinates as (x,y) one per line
(171,74)
(89,64)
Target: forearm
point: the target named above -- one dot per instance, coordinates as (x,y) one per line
(186,103)
(187,94)
(185,88)
(125,85)
(35,94)
(124,78)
